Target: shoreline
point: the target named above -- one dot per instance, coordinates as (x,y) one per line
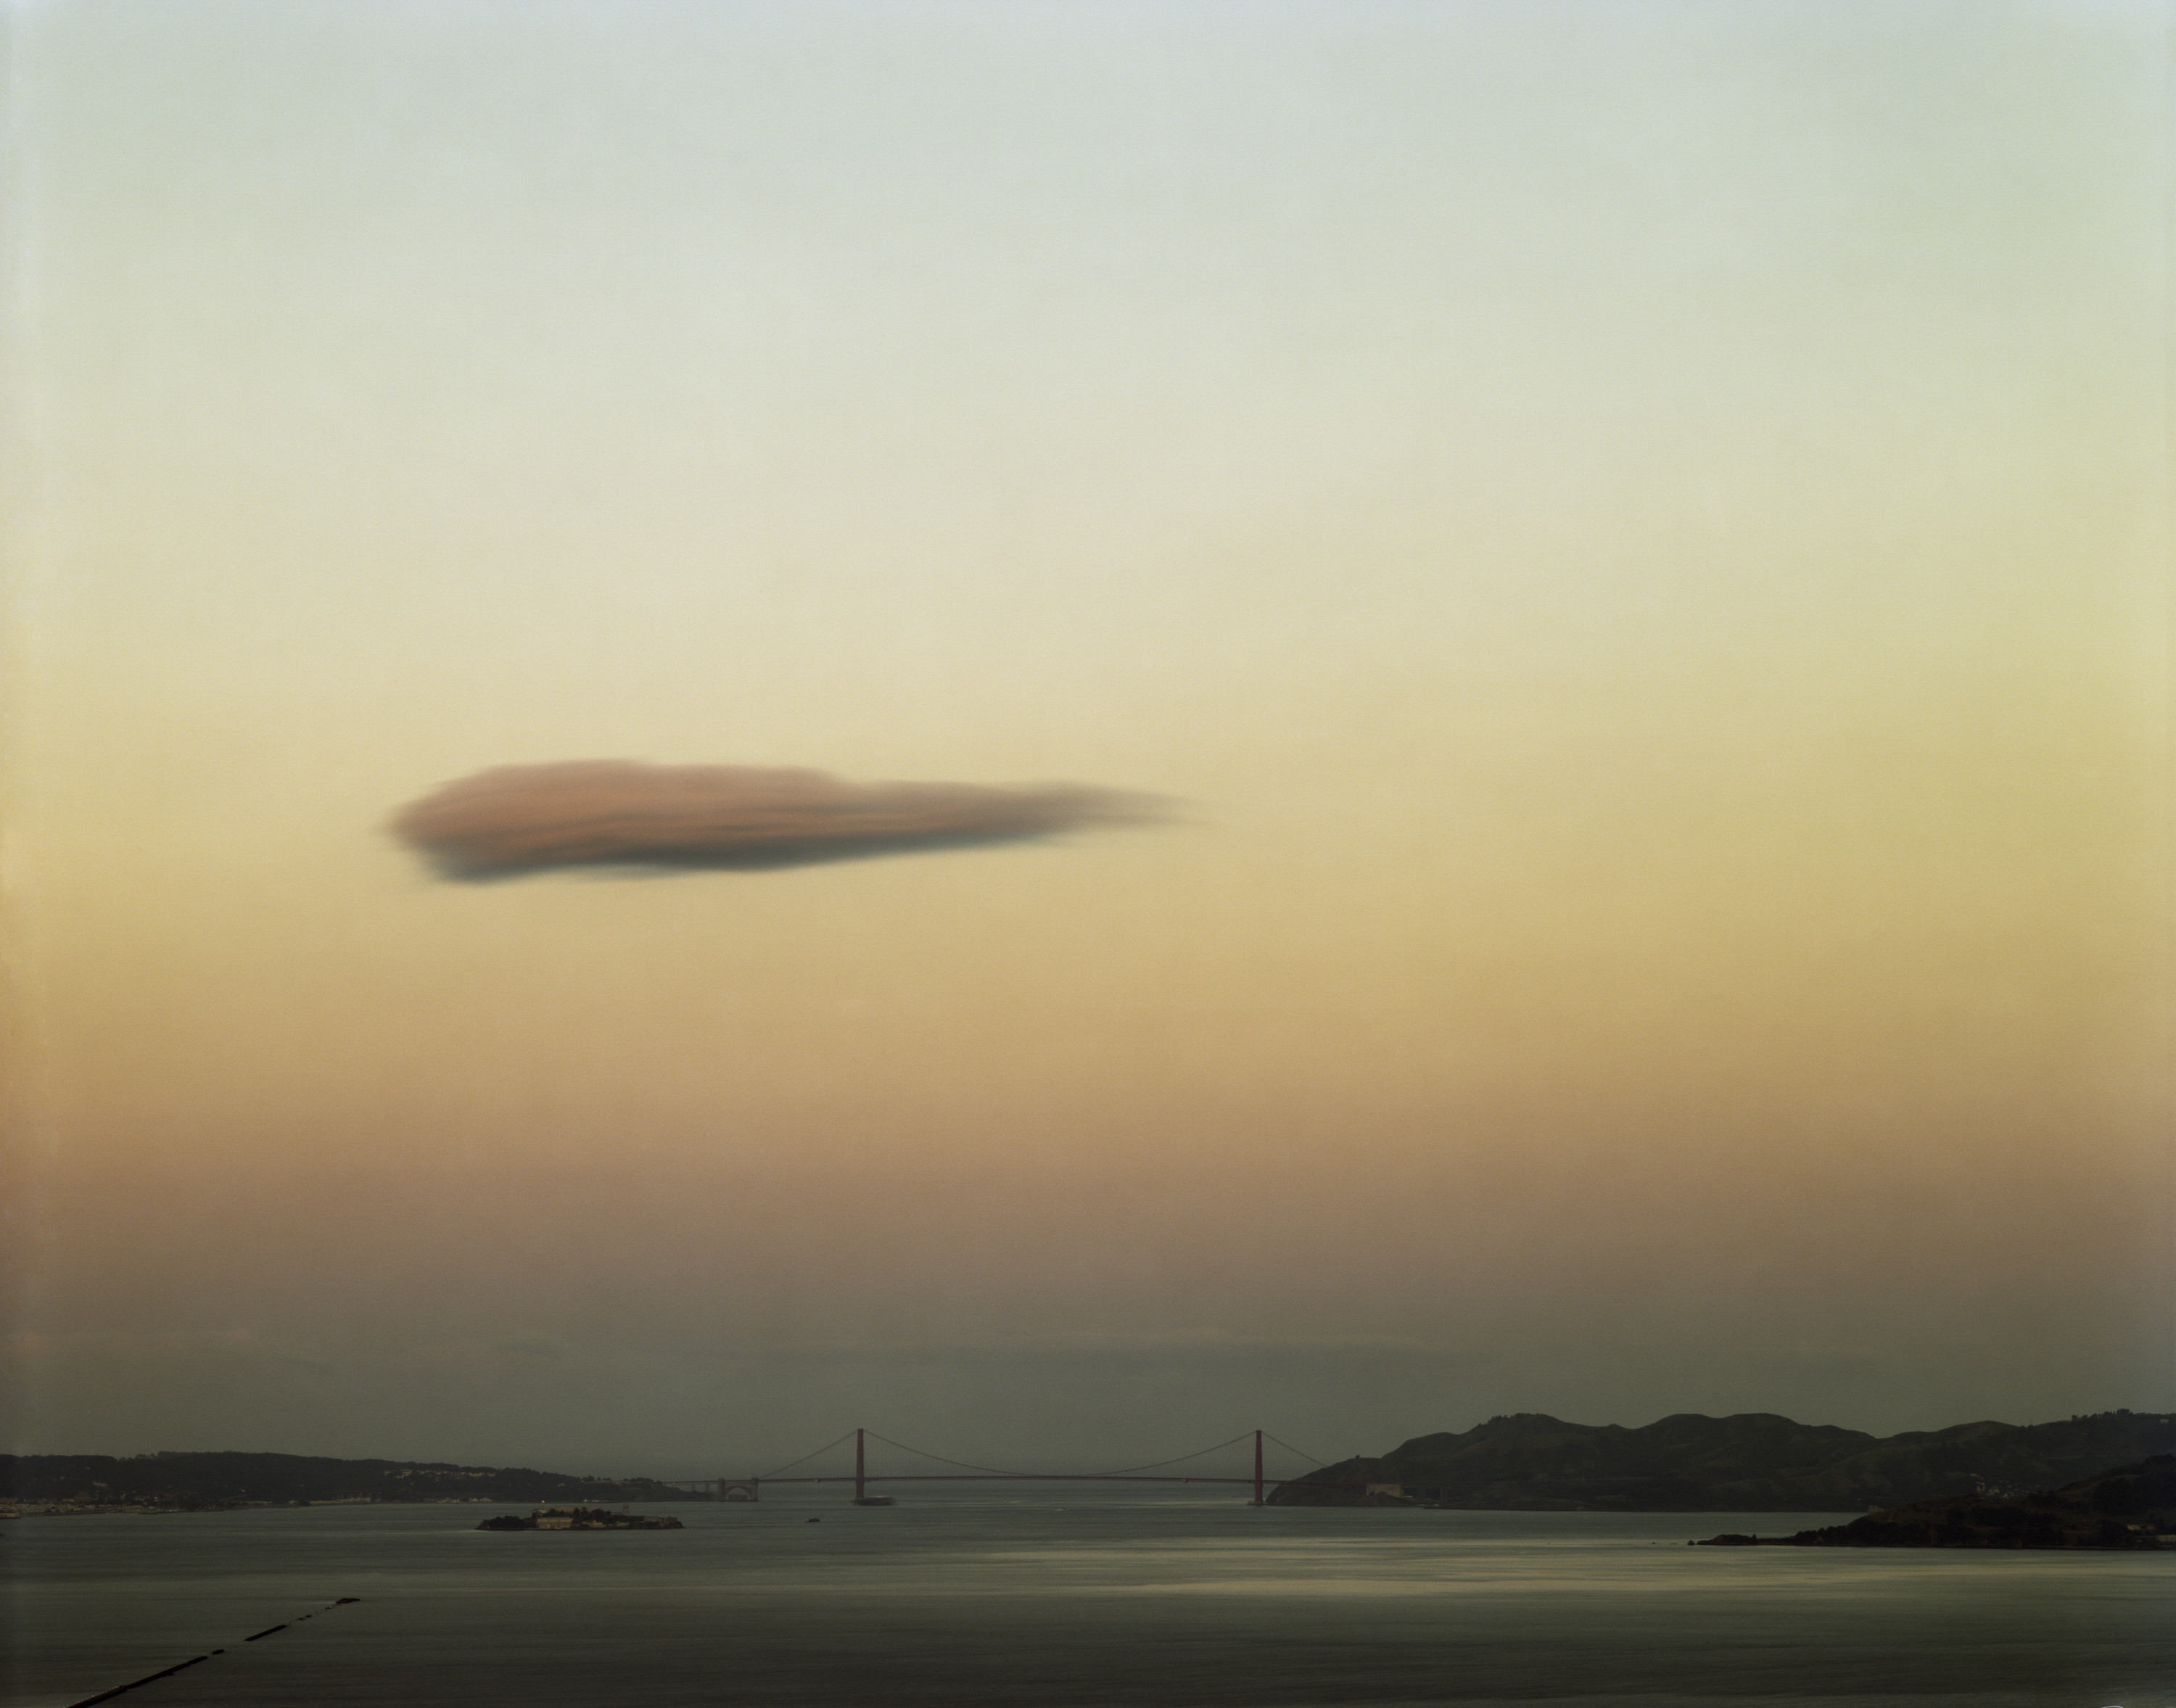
(68,1508)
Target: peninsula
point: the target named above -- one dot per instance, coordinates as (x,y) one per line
(2131,1507)
(88,1482)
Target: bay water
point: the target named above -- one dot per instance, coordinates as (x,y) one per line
(1059,1594)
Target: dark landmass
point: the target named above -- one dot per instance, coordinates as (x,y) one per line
(215,1482)
(1754,1462)
(581,1518)
(2133,1506)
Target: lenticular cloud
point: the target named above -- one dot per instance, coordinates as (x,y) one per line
(523,818)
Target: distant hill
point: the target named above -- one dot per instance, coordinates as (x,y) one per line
(1754,1462)
(195,1482)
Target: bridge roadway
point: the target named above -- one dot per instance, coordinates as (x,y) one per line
(970,1477)
(750,1487)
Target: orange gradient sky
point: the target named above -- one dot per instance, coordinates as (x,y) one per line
(1634,532)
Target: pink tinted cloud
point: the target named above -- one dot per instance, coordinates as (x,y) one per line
(523,818)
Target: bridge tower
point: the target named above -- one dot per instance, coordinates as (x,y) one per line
(862,1496)
(1257,1500)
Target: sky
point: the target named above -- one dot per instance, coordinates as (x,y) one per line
(1628,539)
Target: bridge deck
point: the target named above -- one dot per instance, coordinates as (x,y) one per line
(963,1476)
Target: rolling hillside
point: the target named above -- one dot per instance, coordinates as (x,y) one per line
(1754,1462)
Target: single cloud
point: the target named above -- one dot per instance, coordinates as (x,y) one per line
(525,819)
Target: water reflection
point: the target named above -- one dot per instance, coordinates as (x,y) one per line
(970,1598)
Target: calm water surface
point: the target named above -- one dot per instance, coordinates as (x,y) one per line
(1101,1596)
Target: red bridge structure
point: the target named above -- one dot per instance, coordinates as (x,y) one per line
(751,1488)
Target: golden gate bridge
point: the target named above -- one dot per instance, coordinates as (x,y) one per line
(751,1488)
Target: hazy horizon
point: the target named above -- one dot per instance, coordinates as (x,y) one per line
(1633,534)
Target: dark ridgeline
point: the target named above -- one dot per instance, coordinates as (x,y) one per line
(206,1482)
(2132,1507)
(1754,1462)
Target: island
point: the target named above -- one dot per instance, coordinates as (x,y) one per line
(581,1518)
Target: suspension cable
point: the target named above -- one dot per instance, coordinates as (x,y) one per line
(806,1457)
(1181,1460)
(1287,1446)
(989,1472)
(962,1464)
